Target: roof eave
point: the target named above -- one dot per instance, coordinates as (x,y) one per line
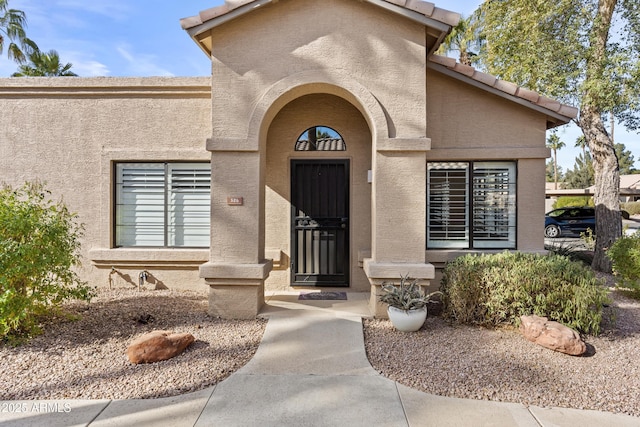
(554,119)
(226,17)
(197,30)
(436,28)
(410,14)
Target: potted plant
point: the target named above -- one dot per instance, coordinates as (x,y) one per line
(407,303)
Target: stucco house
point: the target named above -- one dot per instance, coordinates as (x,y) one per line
(329,149)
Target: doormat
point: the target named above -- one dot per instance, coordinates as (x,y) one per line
(323,296)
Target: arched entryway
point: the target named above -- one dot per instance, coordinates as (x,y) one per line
(318,201)
(251,243)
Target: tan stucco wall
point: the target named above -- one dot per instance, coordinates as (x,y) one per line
(354,51)
(466,123)
(334,36)
(291,121)
(276,72)
(68,131)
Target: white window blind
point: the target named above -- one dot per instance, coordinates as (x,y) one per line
(471,205)
(494,205)
(189,205)
(447,219)
(162,204)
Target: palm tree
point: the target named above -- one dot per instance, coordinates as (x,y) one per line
(581,142)
(462,39)
(12,25)
(45,64)
(555,144)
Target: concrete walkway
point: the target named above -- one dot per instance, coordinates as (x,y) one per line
(310,370)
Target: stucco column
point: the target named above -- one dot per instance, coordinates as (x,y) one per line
(236,270)
(398,216)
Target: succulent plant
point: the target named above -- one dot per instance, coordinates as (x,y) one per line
(408,295)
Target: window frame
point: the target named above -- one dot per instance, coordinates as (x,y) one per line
(340,145)
(471,239)
(167,167)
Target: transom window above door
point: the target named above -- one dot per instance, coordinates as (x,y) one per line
(320,138)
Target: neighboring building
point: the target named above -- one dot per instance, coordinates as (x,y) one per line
(629,188)
(629,191)
(343,153)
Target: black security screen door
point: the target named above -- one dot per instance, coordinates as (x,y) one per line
(320,222)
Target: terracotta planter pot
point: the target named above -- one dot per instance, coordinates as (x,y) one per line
(407,320)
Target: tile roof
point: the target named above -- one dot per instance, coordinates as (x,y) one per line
(427,9)
(322,144)
(629,186)
(507,88)
(558,112)
(630,181)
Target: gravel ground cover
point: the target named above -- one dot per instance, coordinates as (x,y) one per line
(501,365)
(85,358)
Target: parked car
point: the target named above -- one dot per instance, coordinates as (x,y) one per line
(569,221)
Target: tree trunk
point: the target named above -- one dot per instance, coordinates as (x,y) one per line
(612,123)
(555,169)
(605,162)
(607,186)
(465,58)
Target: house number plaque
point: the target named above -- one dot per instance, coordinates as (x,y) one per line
(235,201)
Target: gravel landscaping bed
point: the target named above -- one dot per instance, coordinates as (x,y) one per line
(501,365)
(85,358)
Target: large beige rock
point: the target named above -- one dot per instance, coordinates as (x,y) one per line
(552,335)
(158,345)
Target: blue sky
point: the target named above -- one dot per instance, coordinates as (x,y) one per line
(127,37)
(115,37)
(144,38)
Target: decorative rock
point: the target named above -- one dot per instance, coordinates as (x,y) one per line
(552,335)
(158,345)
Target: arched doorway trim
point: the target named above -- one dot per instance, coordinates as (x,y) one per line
(310,82)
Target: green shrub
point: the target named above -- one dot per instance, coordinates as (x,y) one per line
(563,201)
(39,247)
(632,207)
(497,289)
(625,258)
(576,251)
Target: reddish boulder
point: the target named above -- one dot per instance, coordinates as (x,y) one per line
(552,335)
(158,345)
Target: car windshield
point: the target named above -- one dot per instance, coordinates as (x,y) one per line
(557,212)
(572,213)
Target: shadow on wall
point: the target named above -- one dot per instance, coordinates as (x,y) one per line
(144,278)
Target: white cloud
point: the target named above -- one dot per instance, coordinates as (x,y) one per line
(142,64)
(115,37)
(81,66)
(90,69)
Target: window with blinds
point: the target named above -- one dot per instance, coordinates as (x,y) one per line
(471,205)
(162,204)
(494,205)
(448,198)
